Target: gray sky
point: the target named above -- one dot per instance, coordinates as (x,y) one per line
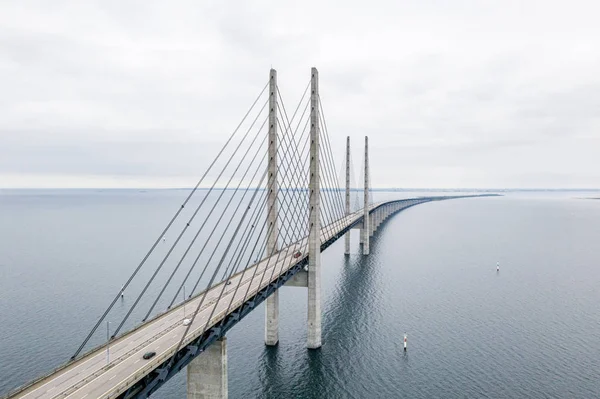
(451,93)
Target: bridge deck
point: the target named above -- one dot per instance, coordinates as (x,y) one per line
(91,377)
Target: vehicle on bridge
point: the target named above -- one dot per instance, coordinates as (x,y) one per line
(149,355)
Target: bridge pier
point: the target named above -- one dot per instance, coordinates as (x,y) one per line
(207,373)
(314,222)
(347,235)
(272,302)
(374,222)
(365,231)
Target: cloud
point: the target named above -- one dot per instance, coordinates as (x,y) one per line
(480,94)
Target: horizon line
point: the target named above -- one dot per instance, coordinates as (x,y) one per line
(305,188)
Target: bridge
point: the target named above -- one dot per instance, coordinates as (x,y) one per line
(269,234)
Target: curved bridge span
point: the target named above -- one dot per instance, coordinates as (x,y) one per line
(128,375)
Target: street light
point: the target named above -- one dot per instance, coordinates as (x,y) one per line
(107,343)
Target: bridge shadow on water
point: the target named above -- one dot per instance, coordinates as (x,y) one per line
(351,316)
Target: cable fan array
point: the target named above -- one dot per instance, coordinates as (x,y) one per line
(221,227)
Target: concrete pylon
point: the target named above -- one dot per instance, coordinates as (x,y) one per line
(365,231)
(314,221)
(347,235)
(272,302)
(207,373)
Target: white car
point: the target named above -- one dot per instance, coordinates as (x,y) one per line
(186,322)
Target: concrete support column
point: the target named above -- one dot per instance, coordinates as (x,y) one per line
(272,302)
(314,239)
(207,373)
(375,220)
(347,235)
(373,223)
(365,230)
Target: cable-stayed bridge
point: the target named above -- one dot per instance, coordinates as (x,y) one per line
(257,220)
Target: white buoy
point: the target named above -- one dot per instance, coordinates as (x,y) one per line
(404,342)
(497,266)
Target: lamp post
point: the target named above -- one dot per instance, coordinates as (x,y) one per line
(107,343)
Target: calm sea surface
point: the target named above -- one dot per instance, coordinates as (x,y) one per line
(530,331)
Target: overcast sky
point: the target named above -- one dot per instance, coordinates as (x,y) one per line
(451,93)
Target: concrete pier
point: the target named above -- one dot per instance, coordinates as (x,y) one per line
(272,319)
(365,232)
(207,373)
(347,235)
(272,302)
(314,243)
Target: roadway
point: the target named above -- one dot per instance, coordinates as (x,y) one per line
(91,377)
